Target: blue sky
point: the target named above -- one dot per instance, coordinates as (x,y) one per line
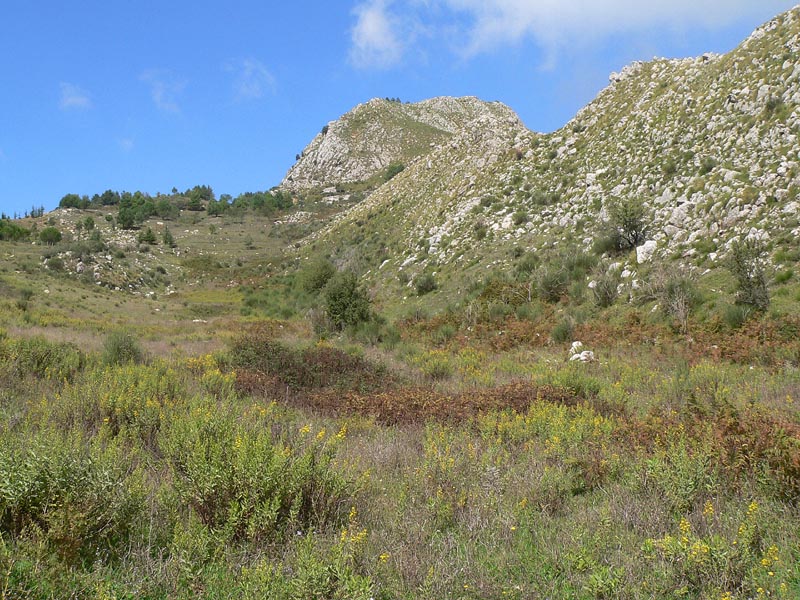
(149,95)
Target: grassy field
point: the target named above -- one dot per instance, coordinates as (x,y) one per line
(192,436)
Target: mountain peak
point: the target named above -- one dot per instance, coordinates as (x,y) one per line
(379,135)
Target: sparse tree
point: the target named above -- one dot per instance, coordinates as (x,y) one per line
(748,264)
(628,220)
(346,301)
(168,239)
(50,236)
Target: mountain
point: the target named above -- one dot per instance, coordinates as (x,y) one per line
(709,145)
(372,141)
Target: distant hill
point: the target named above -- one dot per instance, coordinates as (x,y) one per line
(372,141)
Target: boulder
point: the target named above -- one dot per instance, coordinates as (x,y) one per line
(644,253)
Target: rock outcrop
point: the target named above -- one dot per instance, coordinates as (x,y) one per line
(364,143)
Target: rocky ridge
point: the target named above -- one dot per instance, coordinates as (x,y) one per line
(367,140)
(708,143)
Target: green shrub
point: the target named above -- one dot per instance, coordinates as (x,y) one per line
(784,276)
(562,332)
(552,283)
(346,301)
(120,348)
(50,236)
(55,264)
(146,236)
(628,223)
(435,364)
(245,484)
(735,315)
(425,284)
(392,170)
(40,358)
(605,292)
(527,263)
(314,367)
(82,504)
(748,264)
(12,232)
(315,275)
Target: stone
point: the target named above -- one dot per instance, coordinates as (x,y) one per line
(645,252)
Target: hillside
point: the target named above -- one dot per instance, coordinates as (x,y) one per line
(708,144)
(362,145)
(459,379)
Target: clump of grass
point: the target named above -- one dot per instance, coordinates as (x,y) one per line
(120,348)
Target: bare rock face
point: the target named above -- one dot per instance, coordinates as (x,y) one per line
(364,143)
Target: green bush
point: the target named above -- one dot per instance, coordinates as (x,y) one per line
(245,484)
(552,283)
(50,236)
(562,332)
(40,358)
(628,223)
(120,348)
(147,236)
(748,264)
(12,232)
(735,315)
(425,284)
(82,504)
(315,275)
(346,301)
(605,290)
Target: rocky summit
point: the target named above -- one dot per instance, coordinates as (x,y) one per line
(385,133)
(708,145)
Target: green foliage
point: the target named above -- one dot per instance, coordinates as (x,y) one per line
(552,282)
(11,232)
(168,239)
(126,218)
(707,165)
(435,364)
(166,210)
(628,221)
(147,236)
(314,367)
(74,201)
(392,170)
(245,484)
(425,284)
(40,358)
(605,291)
(121,348)
(736,315)
(748,264)
(346,301)
(562,332)
(315,275)
(50,236)
(82,504)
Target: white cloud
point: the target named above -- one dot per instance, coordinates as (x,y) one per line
(252,80)
(125,144)
(74,97)
(557,23)
(165,89)
(476,26)
(375,38)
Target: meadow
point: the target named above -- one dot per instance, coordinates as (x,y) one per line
(185,445)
